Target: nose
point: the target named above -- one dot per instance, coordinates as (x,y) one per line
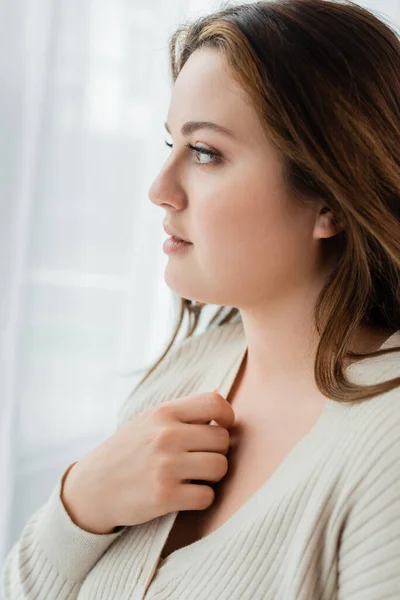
(166,190)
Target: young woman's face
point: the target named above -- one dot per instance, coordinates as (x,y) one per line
(250,242)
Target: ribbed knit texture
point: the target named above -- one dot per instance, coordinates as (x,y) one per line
(324,526)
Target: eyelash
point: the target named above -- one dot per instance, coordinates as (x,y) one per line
(216,157)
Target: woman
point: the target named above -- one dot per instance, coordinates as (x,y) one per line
(290,205)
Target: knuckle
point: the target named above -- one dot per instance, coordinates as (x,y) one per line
(161,410)
(163,437)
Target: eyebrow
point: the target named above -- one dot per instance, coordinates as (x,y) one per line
(191,126)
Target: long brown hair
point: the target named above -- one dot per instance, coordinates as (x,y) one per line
(324,78)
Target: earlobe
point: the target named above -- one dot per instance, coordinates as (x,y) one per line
(328,225)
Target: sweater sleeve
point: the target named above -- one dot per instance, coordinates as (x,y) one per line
(369,553)
(53,555)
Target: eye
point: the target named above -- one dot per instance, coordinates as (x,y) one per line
(205,152)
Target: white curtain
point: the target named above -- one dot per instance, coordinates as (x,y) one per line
(84,95)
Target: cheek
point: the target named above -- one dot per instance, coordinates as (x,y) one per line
(238,222)
(247,235)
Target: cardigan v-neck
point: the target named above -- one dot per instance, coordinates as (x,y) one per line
(307,532)
(301,450)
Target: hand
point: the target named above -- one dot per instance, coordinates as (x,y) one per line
(144,469)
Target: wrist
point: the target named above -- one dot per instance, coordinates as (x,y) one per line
(68,498)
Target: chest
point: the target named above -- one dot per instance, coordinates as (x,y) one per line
(244,476)
(257,447)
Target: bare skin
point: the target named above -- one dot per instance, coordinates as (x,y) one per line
(253,248)
(268,434)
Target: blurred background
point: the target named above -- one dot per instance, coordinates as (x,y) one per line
(84,96)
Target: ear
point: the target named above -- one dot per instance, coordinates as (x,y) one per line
(326,224)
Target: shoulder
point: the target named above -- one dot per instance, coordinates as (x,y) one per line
(369,502)
(369,444)
(196,350)
(379,418)
(185,362)
(367,438)
(379,413)
(207,342)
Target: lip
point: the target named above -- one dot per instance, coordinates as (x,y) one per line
(174,232)
(174,246)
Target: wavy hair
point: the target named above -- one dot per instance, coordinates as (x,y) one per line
(324,78)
